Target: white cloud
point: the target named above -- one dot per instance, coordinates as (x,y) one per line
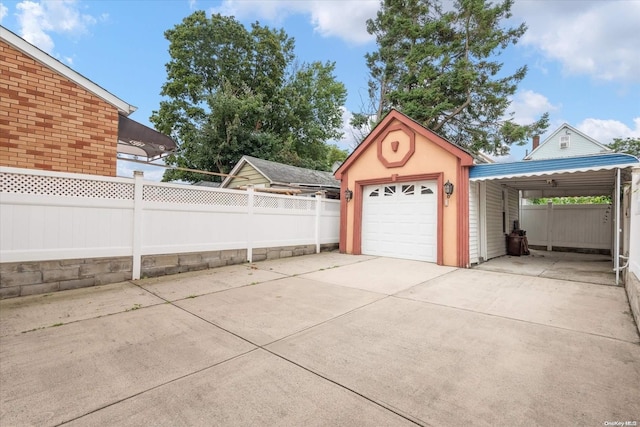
(3,11)
(348,141)
(351,137)
(528,106)
(38,19)
(595,38)
(151,173)
(604,131)
(344,19)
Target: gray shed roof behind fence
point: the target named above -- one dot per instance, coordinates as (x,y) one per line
(281,174)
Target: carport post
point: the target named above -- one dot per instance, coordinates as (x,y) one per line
(616,221)
(549,226)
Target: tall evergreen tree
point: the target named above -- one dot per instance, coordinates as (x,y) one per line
(440,67)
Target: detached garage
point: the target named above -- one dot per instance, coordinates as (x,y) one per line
(405,195)
(409,193)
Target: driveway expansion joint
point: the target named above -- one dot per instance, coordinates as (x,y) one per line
(263,347)
(515,319)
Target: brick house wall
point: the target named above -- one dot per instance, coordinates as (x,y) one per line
(49,122)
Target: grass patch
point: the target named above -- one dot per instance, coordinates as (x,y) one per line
(135,307)
(34,329)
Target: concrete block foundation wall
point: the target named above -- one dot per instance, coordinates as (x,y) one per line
(40,277)
(632,285)
(164,265)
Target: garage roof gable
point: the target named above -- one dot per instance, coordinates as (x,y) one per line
(389,119)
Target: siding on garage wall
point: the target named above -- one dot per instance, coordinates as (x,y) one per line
(254,178)
(496,243)
(474,211)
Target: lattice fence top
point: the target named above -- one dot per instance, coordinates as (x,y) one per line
(157,193)
(284,202)
(62,186)
(18,183)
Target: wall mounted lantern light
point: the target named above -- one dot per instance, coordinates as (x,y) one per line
(348,195)
(448,190)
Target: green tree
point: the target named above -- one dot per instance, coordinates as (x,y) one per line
(232,91)
(626,145)
(336,155)
(440,68)
(573,200)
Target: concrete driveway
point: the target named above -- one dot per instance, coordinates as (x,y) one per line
(587,268)
(325,339)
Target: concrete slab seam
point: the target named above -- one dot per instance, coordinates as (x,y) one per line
(425,282)
(552,278)
(314,271)
(328,320)
(381,404)
(515,319)
(141,286)
(56,325)
(371,400)
(157,386)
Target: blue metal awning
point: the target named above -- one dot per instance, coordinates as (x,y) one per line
(530,168)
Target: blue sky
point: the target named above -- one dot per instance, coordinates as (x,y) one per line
(583,56)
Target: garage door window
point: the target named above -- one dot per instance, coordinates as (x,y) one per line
(426,190)
(408,190)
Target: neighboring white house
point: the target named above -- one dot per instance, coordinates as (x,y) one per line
(566,141)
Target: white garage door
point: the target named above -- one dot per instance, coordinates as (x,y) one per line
(400,220)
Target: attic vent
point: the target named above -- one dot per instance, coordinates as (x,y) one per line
(564,141)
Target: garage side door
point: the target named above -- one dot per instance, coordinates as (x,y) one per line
(399,220)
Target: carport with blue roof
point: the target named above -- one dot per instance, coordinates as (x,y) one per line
(593,175)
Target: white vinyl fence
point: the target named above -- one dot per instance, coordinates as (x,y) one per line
(53,216)
(572,226)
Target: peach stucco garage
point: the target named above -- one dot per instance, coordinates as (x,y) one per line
(395,200)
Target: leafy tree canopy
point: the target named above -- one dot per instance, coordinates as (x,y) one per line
(572,200)
(336,155)
(626,145)
(232,91)
(440,68)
